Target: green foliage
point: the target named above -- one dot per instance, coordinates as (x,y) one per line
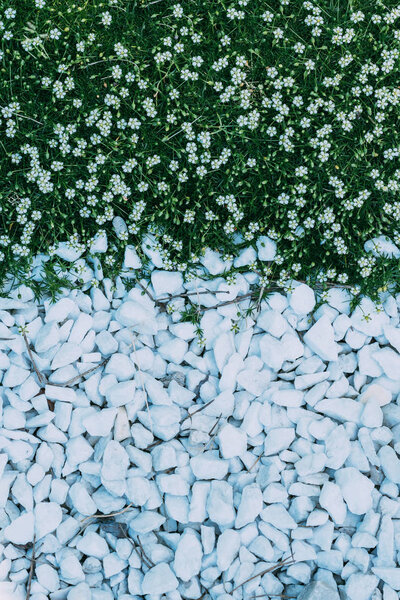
(206,123)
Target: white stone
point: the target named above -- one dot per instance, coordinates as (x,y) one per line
(115,462)
(341,409)
(138,490)
(389,575)
(80,592)
(272,352)
(67,354)
(92,544)
(220,503)
(360,586)
(245,257)
(167,282)
(99,244)
(14,376)
(278,439)
(80,328)
(207,465)
(389,360)
(356,489)
(318,590)
(188,556)
(213,262)
(60,310)
(47,577)
(331,500)
(377,393)
(278,516)
(121,393)
(146,521)
(81,499)
(68,252)
(106,343)
(21,529)
(302,299)
(288,397)
(320,339)
(131,258)
(251,504)
(232,441)
(121,366)
(266,248)
(63,394)
(48,336)
(367,319)
(159,580)
(254,382)
(390,464)
(135,315)
(272,322)
(100,423)
(228,545)
(382,246)
(173,351)
(48,516)
(392,334)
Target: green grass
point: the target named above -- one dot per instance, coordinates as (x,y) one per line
(260,169)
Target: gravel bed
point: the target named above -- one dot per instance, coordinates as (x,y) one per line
(138,460)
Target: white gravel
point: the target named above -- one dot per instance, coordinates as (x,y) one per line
(141,461)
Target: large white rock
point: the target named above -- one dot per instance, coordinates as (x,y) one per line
(133,314)
(278,439)
(331,499)
(251,504)
(367,319)
(67,354)
(167,282)
(320,339)
(93,544)
(356,489)
(47,337)
(266,248)
(48,516)
(207,465)
(382,246)
(288,397)
(228,545)
(232,441)
(302,299)
(131,258)
(390,464)
(60,310)
(188,556)
(21,529)
(390,575)
(220,503)
(318,590)
(159,580)
(361,586)
(389,360)
(272,322)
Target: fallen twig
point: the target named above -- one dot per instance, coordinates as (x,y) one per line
(255,462)
(41,377)
(29,584)
(101,516)
(77,377)
(283,563)
(188,294)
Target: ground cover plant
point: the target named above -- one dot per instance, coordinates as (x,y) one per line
(207,123)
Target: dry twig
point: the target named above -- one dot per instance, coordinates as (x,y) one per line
(283,563)
(40,376)
(29,584)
